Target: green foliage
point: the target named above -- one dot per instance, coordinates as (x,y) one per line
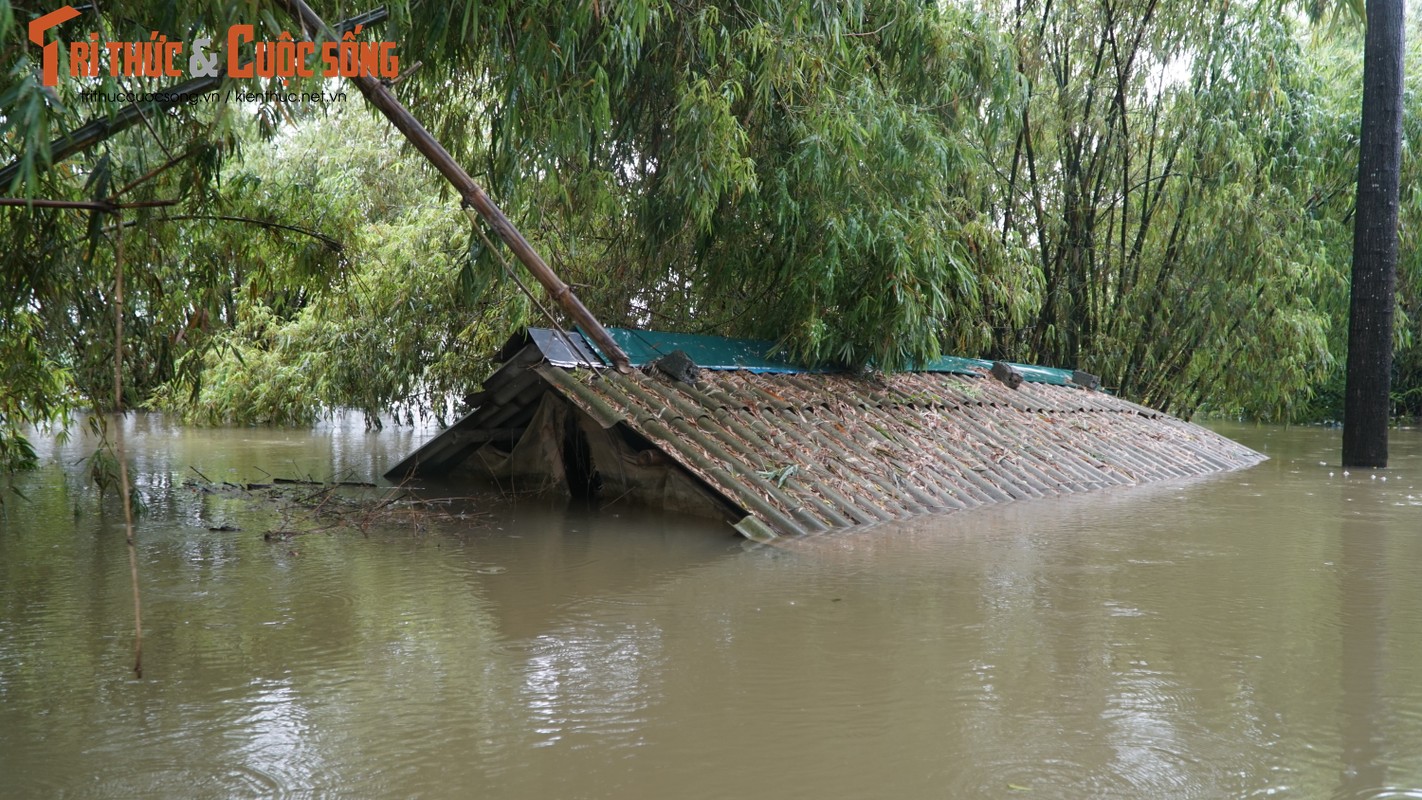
(33,390)
(1332,152)
(405,324)
(790,170)
(1161,176)
(1157,193)
(188,251)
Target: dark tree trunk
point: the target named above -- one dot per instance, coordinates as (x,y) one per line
(1366,402)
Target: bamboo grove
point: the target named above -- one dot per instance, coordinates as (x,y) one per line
(1157,193)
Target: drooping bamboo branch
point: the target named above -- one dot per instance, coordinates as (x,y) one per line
(331,243)
(472,194)
(89,205)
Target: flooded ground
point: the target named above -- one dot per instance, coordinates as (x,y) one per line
(1257,634)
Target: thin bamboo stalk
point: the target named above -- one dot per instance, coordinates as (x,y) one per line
(119,452)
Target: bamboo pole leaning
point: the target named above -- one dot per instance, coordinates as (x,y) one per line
(472,194)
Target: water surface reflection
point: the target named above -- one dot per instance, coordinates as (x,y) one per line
(1248,635)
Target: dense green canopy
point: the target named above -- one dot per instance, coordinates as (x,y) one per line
(1156,193)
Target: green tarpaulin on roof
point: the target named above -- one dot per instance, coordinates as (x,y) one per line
(757,355)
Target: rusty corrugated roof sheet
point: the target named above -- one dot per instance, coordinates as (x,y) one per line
(812,451)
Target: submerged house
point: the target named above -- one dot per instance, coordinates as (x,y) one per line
(713,426)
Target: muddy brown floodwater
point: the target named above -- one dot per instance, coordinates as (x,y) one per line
(1255,634)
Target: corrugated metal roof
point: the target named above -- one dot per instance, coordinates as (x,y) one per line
(799,451)
(810,452)
(562,348)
